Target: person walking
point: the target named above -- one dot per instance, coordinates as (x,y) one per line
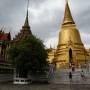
(82,75)
(70,76)
(73,68)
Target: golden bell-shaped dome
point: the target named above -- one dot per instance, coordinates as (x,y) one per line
(68,33)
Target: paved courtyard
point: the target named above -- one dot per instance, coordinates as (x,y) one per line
(60,81)
(44,87)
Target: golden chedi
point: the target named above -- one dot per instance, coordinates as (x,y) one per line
(70,49)
(50,52)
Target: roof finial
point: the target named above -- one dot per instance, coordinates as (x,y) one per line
(27,5)
(26,20)
(68,19)
(66,1)
(50,46)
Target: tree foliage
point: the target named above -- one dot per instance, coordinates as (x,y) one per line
(28,55)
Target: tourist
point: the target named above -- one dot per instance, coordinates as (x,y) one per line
(70,76)
(82,75)
(73,68)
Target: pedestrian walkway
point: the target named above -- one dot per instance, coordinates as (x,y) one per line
(62,77)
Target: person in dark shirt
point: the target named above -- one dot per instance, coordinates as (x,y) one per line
(70,76)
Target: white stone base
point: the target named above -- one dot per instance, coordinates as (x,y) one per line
(21,81)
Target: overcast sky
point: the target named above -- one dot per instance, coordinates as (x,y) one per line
(45,18)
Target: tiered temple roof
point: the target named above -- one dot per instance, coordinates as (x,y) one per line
(25,31)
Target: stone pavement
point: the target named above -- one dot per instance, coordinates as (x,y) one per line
(62,77)
(59,81)
(9,86)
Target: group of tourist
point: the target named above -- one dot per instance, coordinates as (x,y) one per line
(82,74)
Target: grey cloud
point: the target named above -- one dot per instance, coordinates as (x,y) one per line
(83,18)
(36,3)
(48,28)
(12,16)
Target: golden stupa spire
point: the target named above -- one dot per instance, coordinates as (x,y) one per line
(26,20)
(67,16)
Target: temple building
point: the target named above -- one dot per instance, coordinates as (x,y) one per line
(5,39)
(51,52)
(70,49)
(24,32)
(5,66)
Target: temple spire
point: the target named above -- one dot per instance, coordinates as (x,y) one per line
(26,20)
(68,19)
(50,46)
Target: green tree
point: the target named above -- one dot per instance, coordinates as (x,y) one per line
(28,55)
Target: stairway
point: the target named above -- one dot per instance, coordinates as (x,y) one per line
(62,77)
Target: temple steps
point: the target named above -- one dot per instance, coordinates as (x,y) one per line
(62,77)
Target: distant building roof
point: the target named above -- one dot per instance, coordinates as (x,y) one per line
(5,36)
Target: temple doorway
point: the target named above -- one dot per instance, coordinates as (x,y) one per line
(70,56)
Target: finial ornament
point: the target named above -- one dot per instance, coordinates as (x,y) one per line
(50,46)
(26,20)
(66,1)
(27,4)
(68,19)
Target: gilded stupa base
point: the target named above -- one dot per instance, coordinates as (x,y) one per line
(60,65)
